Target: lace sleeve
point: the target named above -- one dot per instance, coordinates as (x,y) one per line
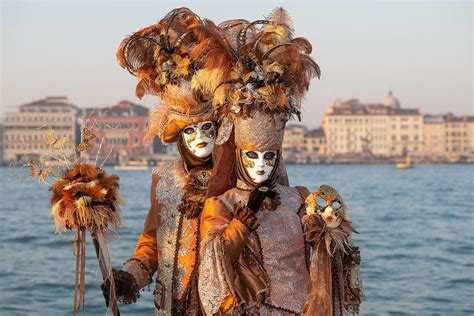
(214,290)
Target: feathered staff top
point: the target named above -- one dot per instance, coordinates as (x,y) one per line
(272,69)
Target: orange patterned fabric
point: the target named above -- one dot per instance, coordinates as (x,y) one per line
(168,244)
(186,259)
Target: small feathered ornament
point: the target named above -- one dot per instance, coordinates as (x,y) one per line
(194,193)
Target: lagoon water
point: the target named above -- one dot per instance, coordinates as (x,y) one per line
(416,239)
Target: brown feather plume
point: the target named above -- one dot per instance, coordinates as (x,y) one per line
(86,198)
(273,70)
(214,55)
(231,30)
(153,54)
(281,17)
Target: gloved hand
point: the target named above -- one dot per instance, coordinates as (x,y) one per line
(257,196)
(246,216)
(126,288)
(313,225)
(352,258)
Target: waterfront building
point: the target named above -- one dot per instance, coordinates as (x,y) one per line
(449,138)
(434,136)
(1,144)
(315,145)
(459,137)
(120,130)
(380,130)
(25,129)
(303,145)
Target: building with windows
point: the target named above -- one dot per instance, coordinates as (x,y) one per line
(1,145)
(25,129)
(378,130)
(120,130)
(449,138)
(303,145)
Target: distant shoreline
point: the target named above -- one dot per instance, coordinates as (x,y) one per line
(316,164)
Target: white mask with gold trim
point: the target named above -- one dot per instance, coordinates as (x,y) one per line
(200,138)
(259,164)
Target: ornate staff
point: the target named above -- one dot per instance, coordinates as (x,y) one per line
(84,198)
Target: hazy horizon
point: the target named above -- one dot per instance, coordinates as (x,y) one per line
(422,51)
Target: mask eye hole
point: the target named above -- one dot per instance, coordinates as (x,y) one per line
(336,205)
(206,126)
(269,155)
(251,154)
(189,130)
(321,202)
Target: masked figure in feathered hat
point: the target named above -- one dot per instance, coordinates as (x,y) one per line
(165,57)
(254,258)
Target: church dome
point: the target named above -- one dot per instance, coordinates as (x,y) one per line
(390,100)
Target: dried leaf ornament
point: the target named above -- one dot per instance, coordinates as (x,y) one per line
(86,137)
(54,141)
(36,170)
(182,65)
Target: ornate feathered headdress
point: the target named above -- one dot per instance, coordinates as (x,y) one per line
(273,69)
(165,57)
(160,54)
(271,72)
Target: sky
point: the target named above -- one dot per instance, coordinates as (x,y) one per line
(420,50)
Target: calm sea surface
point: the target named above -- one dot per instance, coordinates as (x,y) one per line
(416,240)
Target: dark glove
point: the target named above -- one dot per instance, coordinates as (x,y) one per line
(313,226)
(247,217)
(257,196)
(352,258)
(126,288)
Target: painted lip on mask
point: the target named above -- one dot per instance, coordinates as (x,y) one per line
(201,145)
(260,172)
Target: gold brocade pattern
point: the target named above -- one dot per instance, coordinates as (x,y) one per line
(283,250)
(168,195)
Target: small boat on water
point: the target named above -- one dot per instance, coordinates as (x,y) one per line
(132,165)
(405,165)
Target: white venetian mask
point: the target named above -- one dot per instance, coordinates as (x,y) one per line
(259,165)
(327,203)
(331,216)
(200,138)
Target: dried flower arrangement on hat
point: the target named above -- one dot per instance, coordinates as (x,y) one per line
(272,70)
(170,52)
